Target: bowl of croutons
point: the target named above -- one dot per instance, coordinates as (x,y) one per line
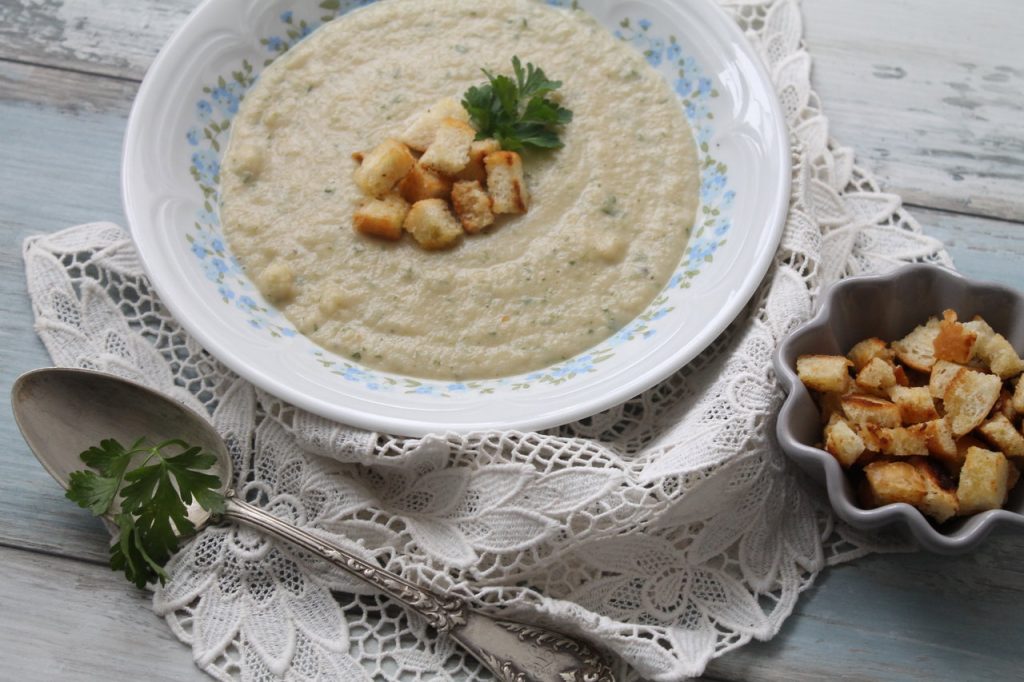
(905,398)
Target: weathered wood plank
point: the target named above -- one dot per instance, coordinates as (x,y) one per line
(930,94)
(69,621)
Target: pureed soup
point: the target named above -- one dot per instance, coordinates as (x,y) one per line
(609,216)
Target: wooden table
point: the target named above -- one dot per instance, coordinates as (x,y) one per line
(929,92)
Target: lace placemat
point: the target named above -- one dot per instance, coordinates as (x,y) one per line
(670,528)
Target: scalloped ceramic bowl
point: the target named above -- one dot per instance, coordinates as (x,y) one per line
(889,306)
(179,126)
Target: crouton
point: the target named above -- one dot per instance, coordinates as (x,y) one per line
(825,373)
(843,443)
(877,375)
(917,349)
(420,184)
(472,206)
(866,409)
(382,217)
(432,224)
(939,503)
(999,431)
(1018,397)
(829,404)
(449,152)
(901,376)
(478,151)
(891,482)
(1012,477)
(995,351)
(916,404)
(505,182)
(423,130)
(943,372)
(941,443)
(954,342)
(968,399)
(1004,405)
(983,481)
(383,167)
(862,353)
(897,441)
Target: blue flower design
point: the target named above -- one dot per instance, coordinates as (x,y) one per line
(226,292)
(225,99)
(704,86)
(204,110)
(192,136)
(217,245)
(199,250)
(207,164)
(684,86)
(722,228)
(702,250)
(275,44)
(423,390)
(288,331)
(673,52)
(645,24)
(286,17)
(458,387)
(246,303)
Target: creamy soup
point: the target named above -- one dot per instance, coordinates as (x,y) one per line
(607,225)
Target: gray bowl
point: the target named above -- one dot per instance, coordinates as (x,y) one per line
(889,306)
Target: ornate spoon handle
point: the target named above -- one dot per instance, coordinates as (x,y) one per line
(512,651)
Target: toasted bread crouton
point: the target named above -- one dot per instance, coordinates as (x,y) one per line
(901,376)
(995,351)
(472,205)
(421,133)
(505,182)
(999,431)
(899,441)
(983,480)
(449,152)
(382,217)
(383,167)
(421,184)
(432,224)
(1004,405)
(843,443)
(917,349)
(1012,477)
(829,404)
(939,502)
(824,373)
(866,409)
(941,443)
(478,151)
(969,398)
(876,376)
(865,351)
(1018,397)
(891,482)
(954,343)
(916,404)
(943,372)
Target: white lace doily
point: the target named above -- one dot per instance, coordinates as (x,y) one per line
(671,528)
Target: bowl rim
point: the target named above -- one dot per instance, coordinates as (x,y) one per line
(400,422)
(964,538)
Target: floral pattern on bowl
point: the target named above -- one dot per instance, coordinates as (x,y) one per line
(208,138)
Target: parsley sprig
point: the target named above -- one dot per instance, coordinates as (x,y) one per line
(516,111)
(156,487)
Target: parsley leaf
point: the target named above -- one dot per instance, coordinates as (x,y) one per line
(155,495)
(515,111)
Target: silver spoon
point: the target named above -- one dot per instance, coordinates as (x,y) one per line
(62,412)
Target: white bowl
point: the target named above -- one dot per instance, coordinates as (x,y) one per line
(169,178)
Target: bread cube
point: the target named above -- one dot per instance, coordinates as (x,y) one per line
(1000,432)
(421,133)
(877,375)
(891,482)
(382,217)
(1004,405)
(916,404)
(421,184)
(1018,397)
(472,205)
(1012,477)
(383,167)
(917,349)
(505,182)
(829,404)
(995,351)
(954,343)
(449,152)
(478,151)
(939,503)
(843,443)
(969,398)
(983,481)
(941,444)
(943,372)
(866,409)
(897,441)
(825,373)
(432,224)
(865,351)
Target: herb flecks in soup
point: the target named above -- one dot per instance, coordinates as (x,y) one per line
(609,212)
